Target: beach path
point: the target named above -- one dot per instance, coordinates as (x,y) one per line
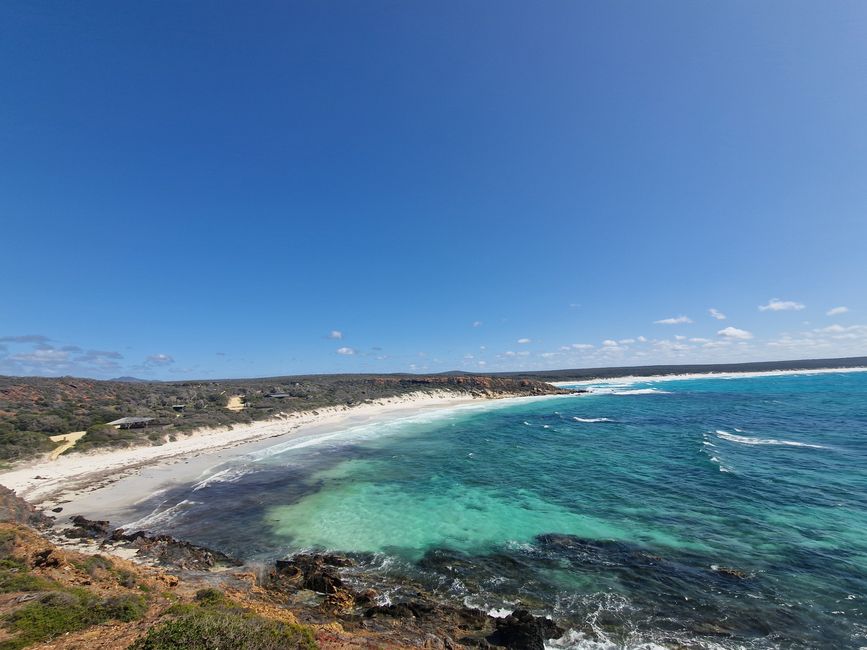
(235,403)
(68,440)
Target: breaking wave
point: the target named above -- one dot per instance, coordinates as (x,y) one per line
(748,440)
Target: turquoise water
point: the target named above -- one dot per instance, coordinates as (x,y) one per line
(710,512)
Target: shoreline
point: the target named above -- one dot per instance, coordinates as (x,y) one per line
(48,480)
(108,484)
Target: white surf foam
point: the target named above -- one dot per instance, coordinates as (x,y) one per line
(229,475)
(159,517)
(589,420)
(748,440)
(630,380)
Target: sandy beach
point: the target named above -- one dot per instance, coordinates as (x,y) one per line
(106,483)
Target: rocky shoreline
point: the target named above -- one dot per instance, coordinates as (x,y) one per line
(311,586)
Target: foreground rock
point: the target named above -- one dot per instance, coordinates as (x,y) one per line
(419,621)
(167,551)
(14,509)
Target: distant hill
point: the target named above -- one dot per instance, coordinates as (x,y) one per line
(131,380)
(647,371)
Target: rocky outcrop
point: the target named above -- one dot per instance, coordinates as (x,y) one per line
(417,621)
(314,572)
(87,529)
(15,510)
(523,631)
(167,551)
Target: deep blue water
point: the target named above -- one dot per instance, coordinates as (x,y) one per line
(710,512)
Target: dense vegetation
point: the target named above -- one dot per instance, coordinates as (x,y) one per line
(34,408)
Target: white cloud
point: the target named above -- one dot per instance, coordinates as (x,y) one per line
(676,320)
(335,335)
(716,313)
(735,333)
(548,355)
(608,343)
(678,337)
(836,311)
(477,323)
(523,341)
(626,341)
(346,351)
(483,363)
(698,340)
(775,304)
(160,359)
(641,339)
(509,353)
(581,346)
(42,355)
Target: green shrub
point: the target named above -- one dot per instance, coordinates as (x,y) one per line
(18,445)
(211,597)
(59,612)
(127,607)
(207,629)
(14,576)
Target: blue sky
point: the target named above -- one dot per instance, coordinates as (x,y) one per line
(218,189)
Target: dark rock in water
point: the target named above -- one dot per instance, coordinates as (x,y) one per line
(57,509)
(87,528)
(16,510)
(314,572)
(731,573)
(523,631)
(431,612)
(168,551)
(412,609)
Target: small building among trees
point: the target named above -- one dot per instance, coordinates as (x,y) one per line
(130,423)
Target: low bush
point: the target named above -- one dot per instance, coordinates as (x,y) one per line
(218,624)
(59,612)
(15,576)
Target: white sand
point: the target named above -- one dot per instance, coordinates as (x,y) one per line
(105,482)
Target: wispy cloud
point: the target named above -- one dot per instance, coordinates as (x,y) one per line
(716,313)
(836,311)
(577,346)
(775,304)
(524,341)
(26,338)
(477,323)
(159,359)
(676,320)
(335,335)
(346,351)
(735,333)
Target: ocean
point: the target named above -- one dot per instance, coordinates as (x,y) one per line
(705,511)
